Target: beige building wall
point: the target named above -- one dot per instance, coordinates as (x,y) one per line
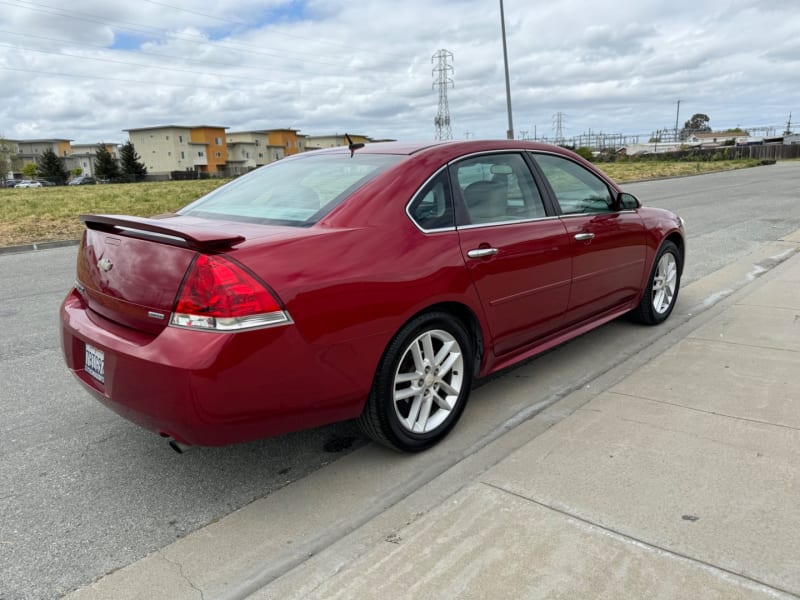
(334,141)
(83,156)
(29,151)
(168,148)
(248,150)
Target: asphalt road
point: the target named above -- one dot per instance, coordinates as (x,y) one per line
(83,492)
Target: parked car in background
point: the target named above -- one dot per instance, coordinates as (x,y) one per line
(83,180)
(28,183)
(45,182)
(371,283)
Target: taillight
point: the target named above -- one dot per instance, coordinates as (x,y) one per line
(220,295)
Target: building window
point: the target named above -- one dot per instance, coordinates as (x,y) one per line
(247,155)
(217,141)
(180,138)
(218,154)
(182,155)
(260,155)
(167,136)
(258,143)
(169,153)
(200,154)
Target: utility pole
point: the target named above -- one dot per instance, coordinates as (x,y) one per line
(677,115)
(788,125)
(510,132)
(442,71)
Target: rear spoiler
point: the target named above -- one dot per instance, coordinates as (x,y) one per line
(187,235)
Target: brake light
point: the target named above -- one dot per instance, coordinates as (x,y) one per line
(221,295)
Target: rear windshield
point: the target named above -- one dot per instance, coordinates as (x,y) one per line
(293,191)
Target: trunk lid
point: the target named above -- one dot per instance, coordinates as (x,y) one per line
(130,269)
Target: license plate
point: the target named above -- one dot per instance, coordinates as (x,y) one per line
(95,363)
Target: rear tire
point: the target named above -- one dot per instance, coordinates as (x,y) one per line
(422,384)
(661,293)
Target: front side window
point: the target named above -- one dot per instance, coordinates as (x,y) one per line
(296,191)
(498,188)
(577,190)
(432,207)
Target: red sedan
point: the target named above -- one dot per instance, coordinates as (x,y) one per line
(371,283)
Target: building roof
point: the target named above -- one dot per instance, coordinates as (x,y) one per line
(177,127)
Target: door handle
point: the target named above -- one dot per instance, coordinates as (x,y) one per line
(482,252)
(584,237)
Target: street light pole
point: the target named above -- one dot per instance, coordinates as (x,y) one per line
(510,132)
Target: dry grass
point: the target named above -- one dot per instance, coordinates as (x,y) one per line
(48,214)
(51,213)
(642,170)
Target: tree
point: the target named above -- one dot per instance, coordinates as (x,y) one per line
(77,171)
(51,167)
(30,170)
(698,122)
(9,161)
(132,168)
(105,165)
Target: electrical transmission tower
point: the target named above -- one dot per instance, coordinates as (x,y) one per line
(442,72)
(558,122)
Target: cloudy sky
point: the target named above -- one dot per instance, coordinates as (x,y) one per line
(88,69)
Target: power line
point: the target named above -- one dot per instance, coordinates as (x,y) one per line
(283,33)
(138,28)
(145,53)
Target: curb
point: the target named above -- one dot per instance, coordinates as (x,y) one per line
(38,246)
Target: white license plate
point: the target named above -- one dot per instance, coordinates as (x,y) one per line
(95,363)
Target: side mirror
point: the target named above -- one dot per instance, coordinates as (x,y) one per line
(627,202)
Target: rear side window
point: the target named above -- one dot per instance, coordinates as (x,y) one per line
(296,191)
(498,188)
(432,208)
(577,189)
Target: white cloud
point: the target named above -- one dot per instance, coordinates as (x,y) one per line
(94,68)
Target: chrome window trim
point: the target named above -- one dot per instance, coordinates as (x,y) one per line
(512,222)
(518,150)
(595,214)
(414,198)
(533,177)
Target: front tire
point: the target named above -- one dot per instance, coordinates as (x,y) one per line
(421,385)
(661,293)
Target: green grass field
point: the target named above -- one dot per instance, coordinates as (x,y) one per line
(51,213)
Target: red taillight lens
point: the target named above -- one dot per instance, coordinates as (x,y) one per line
(220,295)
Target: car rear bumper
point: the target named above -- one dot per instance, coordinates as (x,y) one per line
(212,389)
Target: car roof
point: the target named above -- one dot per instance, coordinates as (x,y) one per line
(455,146)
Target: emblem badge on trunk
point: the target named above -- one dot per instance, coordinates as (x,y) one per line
(105,264)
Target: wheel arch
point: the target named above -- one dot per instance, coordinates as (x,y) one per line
(467,318)
(677,239)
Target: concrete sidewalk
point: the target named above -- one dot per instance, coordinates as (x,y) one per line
(680,480)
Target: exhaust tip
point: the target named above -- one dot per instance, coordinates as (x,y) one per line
(179,447)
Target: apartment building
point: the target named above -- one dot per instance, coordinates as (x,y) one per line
(248,150)
(317,142)
(83,156)
(31,150)
(290,139)
(168,148)
(209,149)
